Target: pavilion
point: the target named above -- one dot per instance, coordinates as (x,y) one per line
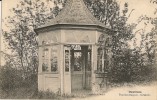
(72,55)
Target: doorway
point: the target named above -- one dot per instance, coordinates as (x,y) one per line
(80,67)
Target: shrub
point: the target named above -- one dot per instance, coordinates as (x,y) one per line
(44,95)
(9,79)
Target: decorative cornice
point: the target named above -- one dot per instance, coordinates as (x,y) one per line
(72,26)
(69,26)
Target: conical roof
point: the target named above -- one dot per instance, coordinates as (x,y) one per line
(75,12)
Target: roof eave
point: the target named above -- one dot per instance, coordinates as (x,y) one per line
(56,26)
(75,26)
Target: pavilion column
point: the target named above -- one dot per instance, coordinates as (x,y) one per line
(94,65)
(62,63)
(40,76)
(61,71)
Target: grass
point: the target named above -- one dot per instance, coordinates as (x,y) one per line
(27,93)
(33,93)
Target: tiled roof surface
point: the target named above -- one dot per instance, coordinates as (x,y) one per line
(75,12)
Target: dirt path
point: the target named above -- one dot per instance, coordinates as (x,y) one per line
(127,93)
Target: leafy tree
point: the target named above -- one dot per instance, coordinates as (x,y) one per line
(108,12)
(142,57)
(137,64)
(22,40)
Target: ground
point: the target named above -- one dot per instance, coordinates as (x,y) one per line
(137,92)
(120,92)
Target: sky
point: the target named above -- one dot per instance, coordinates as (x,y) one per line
(141,7)
(0,29)
(0,13)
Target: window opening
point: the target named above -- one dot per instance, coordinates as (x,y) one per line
(45,60)
(54,58)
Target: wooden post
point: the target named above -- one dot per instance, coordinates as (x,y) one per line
(62,62)
(84,63)
(61,70)
(94,64)
(67,74)
(40,76)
